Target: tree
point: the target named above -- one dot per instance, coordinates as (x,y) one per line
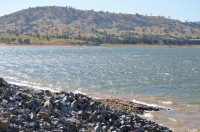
(27,41)
(20,41)
(38,35)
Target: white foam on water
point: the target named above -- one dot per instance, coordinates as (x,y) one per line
(78,91)
(147,104)
(22,83)
(172,119)
(167,102)
(148,115)
(166,74)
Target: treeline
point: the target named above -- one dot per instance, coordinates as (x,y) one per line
(130,39)
(110,39)
(14,41)
(143,40)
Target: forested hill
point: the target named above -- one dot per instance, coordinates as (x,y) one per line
(99,27)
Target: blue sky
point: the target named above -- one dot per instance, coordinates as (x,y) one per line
(176,9)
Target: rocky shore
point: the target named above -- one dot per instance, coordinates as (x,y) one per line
(26,110)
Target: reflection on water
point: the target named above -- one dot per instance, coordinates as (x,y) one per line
(167,77)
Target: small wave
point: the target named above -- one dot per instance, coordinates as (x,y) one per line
(148,115)
(166,74)
(22,83)
(167,102)
(151,105)
(11,78)
(79,91)
(172,119)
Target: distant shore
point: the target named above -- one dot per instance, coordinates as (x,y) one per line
(111,45)
(27,109)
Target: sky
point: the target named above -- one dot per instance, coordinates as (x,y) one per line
(176,9)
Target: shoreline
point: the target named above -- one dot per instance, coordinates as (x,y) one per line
(46,110)
(110,45)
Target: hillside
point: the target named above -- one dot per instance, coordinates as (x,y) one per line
(88,25)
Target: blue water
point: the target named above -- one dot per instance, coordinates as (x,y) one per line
(166,73)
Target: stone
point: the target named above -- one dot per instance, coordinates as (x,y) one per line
(117,123)
(140,129)
(47,92)
(26,96)
(93,117)
(80,100)
(12,118)
(47,104)
(99,117)
(18,98)
(3,83)
(65,99)
(63,120)
(74,104)
(19,118)
(74,113)
(33,117)
(43,115)
(4,124)
(104,128)
(33,124)
(64,109)
(30,104)
(83,114)
(123,128)
(1,91)
(97,129)
(47,125)
(92,104)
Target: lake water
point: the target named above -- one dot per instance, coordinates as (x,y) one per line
(165,77)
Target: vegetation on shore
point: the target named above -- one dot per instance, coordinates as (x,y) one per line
(66,25)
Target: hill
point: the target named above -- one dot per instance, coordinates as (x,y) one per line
(97,27)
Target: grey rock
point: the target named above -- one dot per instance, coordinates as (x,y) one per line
(104,128)
(65,99)
(98,129)
(26,96)
(47,92)
(30,104)
(123,128)
(63,120)
(1,91)
(80,100)
(3,82)
(74,113)
(93,117)
(64,109)
(100,118)
(33,117)
(74,104)
(19,119)
(47,125)
(13,118)
(33,124)
(47,104)
(43,115)
(140,129)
